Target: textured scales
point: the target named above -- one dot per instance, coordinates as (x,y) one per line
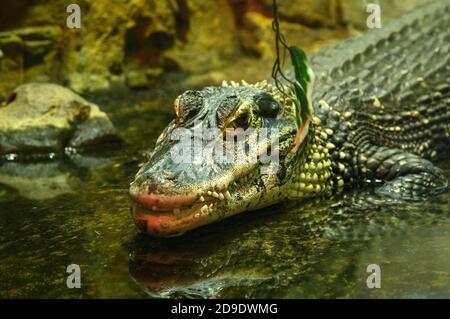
(385,98)
(382,111)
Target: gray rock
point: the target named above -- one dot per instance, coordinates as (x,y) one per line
(47,119)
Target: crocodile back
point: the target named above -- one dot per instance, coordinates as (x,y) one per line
(394,82)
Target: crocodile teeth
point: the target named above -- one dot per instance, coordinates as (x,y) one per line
(221,197)
(215,195)
(227,195)
(202,199)
(224,83)
(204,209)
(209,193)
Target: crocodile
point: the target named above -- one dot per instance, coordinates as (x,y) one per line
(381,105)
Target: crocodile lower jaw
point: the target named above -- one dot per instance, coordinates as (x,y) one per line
(166,223)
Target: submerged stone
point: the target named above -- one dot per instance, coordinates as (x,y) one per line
(43,119)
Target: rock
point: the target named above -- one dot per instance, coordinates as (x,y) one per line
(118,35)
(41,51)
(307,12)
(354,12)
(28,54)
(259,38)
(40,118)
(11,63)
(137,79)
(154,73)
(201,80)
(120,40)
(211,39)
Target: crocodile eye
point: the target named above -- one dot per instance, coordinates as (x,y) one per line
(266,105)
(226,107)
(242,121)
(187,105)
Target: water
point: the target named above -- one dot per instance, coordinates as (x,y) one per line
(56,214)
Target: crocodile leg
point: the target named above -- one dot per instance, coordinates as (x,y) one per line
(406,176)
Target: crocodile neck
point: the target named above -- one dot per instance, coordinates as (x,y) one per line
(311,172)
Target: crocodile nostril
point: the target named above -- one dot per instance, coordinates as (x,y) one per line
(152,187)
(141,225)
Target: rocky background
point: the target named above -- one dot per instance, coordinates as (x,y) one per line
(138,43)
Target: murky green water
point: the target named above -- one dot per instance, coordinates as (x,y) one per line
(56,214)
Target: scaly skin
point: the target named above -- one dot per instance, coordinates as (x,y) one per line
(382,112)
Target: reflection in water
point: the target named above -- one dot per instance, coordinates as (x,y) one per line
(47,179)
(319,248)
(36,181)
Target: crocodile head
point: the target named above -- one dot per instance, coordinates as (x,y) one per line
(185,184)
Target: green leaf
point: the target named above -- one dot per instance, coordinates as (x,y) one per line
(304,78)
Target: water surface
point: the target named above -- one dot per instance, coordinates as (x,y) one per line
(59,213)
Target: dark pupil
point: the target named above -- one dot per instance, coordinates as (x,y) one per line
(190,103)
(266,105)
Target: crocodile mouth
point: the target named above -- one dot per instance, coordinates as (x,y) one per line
(167,216)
